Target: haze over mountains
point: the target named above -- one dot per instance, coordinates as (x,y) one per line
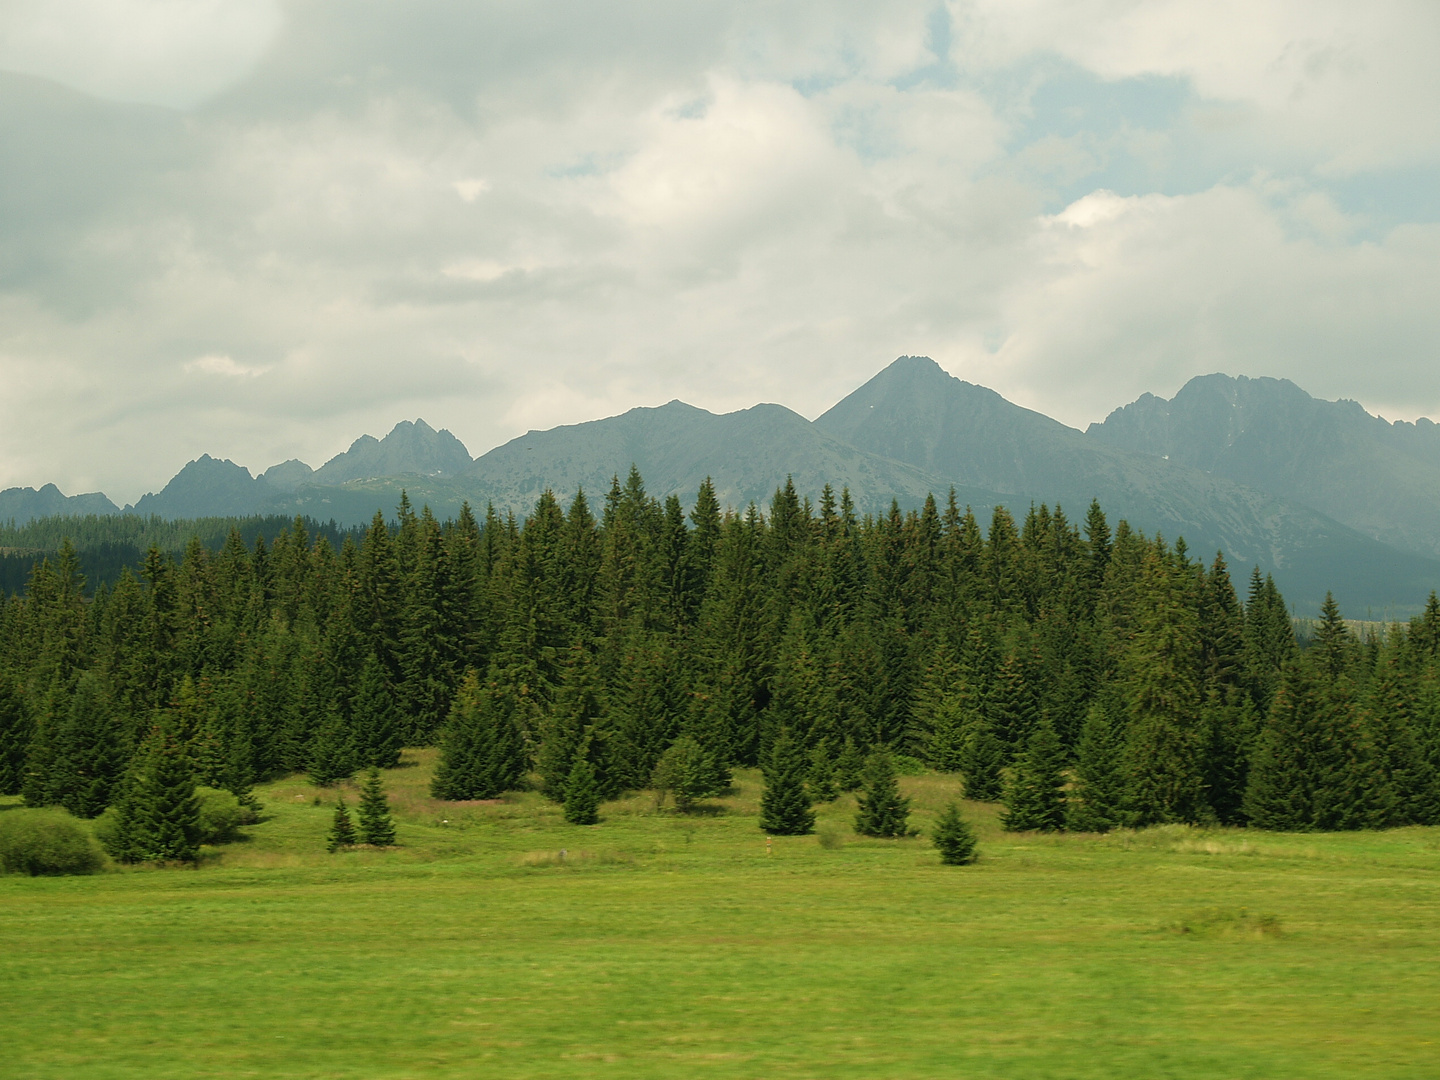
(1321,493)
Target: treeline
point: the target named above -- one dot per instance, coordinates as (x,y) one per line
(106,545)
(1091,677)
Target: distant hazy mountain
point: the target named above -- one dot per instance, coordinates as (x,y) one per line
(676,446)
(1380,478)
(288,475)
(915,412)
(1319,493)
(414,451)
(24,504)
(207,488)
(409,450)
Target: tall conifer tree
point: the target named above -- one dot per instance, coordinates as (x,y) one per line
(1035,790)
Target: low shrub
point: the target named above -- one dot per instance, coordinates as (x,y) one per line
(46,842)
(905,765)
(221,816)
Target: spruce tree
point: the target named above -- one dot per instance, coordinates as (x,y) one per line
(332,751)
(573,719)
(882,810)
(83,759)
(1096,804)
(15,734)
(785,805)
(375,718)
(849,766)
(342,830)
(821,777)
(376,826)
(481,747)
(582,793)
(983,764)
(158,816)
(1392,725)
(1035,791)
(954,838)
(1165,745)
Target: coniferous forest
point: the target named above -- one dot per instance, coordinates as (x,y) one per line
(1089,676)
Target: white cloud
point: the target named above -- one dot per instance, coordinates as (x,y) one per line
(1348,83)
(510,216)
(223,366)
(175,53)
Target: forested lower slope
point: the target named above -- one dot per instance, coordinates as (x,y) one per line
(1036,647)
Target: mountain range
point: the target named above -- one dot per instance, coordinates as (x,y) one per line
(1320,493)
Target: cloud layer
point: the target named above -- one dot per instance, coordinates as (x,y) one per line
(258,230)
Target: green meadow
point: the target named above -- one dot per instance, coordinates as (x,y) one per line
(666,946)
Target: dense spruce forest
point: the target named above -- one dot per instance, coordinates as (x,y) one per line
(106,544)
(1089,677)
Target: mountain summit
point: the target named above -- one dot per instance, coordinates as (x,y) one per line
(1378,477)
(411,449)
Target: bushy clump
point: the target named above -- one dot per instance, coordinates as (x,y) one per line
(46,842)
(688,773)
(222,815)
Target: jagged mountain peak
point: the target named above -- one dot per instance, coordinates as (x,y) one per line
(412,448)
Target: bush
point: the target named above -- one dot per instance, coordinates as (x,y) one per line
(907,766)
(37,842)
(221,816)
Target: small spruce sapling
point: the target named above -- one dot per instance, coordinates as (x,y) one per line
(785,805)
(376,826)
(582,793)
(954,838)
(342,830)
(883,810)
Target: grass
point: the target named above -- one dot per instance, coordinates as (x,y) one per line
(667,946)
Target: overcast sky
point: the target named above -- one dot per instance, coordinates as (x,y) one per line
(258,229)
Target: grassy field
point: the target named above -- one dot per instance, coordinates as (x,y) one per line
(681,947)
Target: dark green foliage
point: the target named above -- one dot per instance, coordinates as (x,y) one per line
(158,816)
(571,723)
(78,756)
(582,793)
(954,838)
(375,719)
(1035,791)
(482,751)
(785,808)
(342,829)
(1313,768)
(850,766)
(1164,754)
(882,810)
(688,773)
(376,826)
(47,842)
(332,751)
(1096,802)
(15,735)
(984,763)
(610,635)
(821,778)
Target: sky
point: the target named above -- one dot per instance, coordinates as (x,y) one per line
(259,229)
